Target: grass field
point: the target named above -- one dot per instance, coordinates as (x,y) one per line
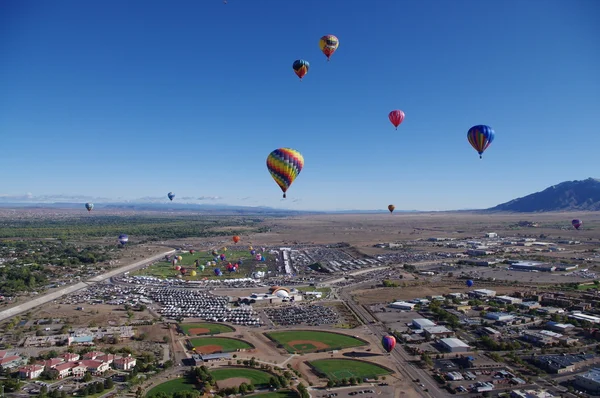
(171,386)
(345,368)
(209,345)
(277,394)
(164,269)
(204,328)
(305,341)
(257,377)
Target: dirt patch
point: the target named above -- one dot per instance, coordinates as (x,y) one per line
(155,333)
(196,331)
(317,344)
(208,349)
(233,382)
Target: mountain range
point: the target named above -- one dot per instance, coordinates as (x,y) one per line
(581,195)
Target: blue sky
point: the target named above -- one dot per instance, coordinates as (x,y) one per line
(113,99)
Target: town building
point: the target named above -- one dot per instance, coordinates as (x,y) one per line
(421,323)
(490,332)
(508,300)
(454,345)
(402,305)
(215,357)
(483,293)
(589,381)
(437,332)
(584,317)
(559,327)
(499,316)
(125,363)
(31,371)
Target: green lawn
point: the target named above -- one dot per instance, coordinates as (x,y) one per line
(171,386)
(257,377)
(227,344)
(214,328)
(277,394)
(345,368)
(165,269)
(587,287)
(334,341)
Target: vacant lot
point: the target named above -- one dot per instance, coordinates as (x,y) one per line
(197,329)
(306,341)
(346,368)
(209,345)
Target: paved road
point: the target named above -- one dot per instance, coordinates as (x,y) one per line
(402,358)
(36,302)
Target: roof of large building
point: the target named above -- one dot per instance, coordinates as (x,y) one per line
(454,342)
(593,374)
(423,322)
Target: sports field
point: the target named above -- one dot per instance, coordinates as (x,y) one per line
(305,341)
(338,369)
(242,375)
(276,394)
(171,386)
(164,269)
(197,329)
(209,345)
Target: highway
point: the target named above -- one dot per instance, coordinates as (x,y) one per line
(403,359)
(46,298)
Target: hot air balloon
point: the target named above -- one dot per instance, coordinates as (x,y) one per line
(301,68)
(285,164)
(177,268)
(182,270)
(171,195)
(192,251)
(328,44)
(193,273)
(253,252)
(123,239)
(222,256)
(391,208)
(576,223)
(179,258)
(388,342)
(218,272)
(396,117)
(250,248)
(224,249)
(480,137)
(201,267)
(89,206)
(236,239)
(469,283)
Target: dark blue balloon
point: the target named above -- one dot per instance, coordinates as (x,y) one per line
(469,283)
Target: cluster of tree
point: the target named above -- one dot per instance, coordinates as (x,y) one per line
(350,381)
(389,283)
(492,345)
(96,388)
(112,225)
(441,314)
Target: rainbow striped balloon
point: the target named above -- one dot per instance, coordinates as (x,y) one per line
(480,137)
(285,164)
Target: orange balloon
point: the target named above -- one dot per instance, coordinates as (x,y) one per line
(236,239)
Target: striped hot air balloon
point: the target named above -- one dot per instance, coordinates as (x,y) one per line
(285,164)
(480,137)
(388,342)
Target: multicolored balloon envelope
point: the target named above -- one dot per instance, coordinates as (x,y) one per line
(576,223)
(328,44)
(396,117)
(123,239)
(89,206)
(285,164)
(301,68)
(391,208)
(480,137)
(388,342)
(170,195)
(469,283)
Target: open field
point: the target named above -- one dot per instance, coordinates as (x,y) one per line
(254,376)
(171,386)
(276,394)
(209,345)
(338,369)
(165,269)
(305,341)
(196,329)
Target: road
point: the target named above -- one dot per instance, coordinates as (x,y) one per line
(403,359)
(36,302)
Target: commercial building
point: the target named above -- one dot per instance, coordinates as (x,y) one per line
(532,266)
(454,345)
(421,323)
(559,327)
(215,357)
(584,317)
(499,316)
(483,293)
(437,332)
(30,371)
(402,305)
(589,381)
(508,300)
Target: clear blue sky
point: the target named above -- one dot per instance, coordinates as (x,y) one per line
(132,99)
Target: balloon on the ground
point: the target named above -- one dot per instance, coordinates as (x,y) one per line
(236,239)
(480,137)
(469,283)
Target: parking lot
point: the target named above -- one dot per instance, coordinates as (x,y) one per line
(312,315)
(364,391)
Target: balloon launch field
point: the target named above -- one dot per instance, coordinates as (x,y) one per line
(187,269)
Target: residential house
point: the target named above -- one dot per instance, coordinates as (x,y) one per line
(126,363)
(52,363)
(92,355)
(64,369)
(78,371)
(95,367)
(108,358)
(70,357)
(10,361)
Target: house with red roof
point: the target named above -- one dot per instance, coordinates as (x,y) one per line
(31,371)
(126,363)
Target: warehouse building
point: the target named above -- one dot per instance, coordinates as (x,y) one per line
(421,323)
(454,345)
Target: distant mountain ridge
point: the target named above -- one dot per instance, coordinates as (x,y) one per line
(583,195)
(183,207)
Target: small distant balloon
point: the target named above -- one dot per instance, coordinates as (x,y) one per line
(576,223)
(236,239)
(179,258)
(480,137)
(89,206)
(391,208)
(171,195)
(328,44)
(123,238)
(396,117)
(301,68)
(469,283)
